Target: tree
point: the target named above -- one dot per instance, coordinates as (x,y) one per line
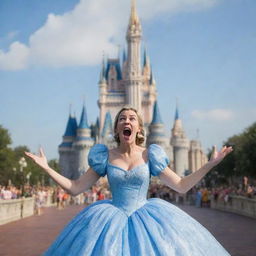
(241,162)
(6,156)
(5,138)
(247,159)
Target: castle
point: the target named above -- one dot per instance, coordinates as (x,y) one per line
(127,81)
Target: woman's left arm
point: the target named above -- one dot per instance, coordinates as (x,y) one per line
(182,185)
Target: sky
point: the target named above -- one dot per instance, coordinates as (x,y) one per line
(202,53)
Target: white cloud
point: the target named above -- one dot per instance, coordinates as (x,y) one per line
(80,36)
(16,58)
(214,114)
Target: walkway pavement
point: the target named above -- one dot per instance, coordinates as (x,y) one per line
(32,235)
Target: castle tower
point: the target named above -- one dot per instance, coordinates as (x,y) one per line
(132,77)
(127,82)
(156,130)
(82,145)
(66,152)
(180,145)
(197,157)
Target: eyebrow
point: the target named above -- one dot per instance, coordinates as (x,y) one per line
(125,115)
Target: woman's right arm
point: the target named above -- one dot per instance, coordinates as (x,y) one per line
(74,187)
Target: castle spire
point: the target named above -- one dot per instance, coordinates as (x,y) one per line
(133,74)
(151,79)
(103,71)
(156,129)
(156,115)
(71,127)
(177,111)
(146,61)
(134,19)
(83,121)
(107,128)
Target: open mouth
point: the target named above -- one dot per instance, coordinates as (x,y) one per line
(127,131)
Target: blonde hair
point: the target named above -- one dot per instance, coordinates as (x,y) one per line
(140,137)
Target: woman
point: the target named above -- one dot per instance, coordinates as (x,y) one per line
(130,224)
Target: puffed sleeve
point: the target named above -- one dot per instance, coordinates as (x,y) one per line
(98,159)
(158,159)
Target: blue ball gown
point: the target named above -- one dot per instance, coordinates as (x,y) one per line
(130,224)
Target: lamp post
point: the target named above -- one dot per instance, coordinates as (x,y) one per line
(22,163)
(28,177)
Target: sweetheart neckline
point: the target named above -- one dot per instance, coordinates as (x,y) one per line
(129,170)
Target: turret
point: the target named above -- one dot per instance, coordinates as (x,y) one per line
(180,145)
(133,81)
(82,145)
(156,129)
(197,157)
(147,73)
(66,151)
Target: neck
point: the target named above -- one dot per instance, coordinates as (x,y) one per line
(127,148)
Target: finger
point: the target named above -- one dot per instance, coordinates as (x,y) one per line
(30,155)
(229,149)
(41,152)
(223,149)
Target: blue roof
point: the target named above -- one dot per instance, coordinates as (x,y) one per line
(83,121)
(66,145)
(156,115)
(116,64)
(107,124)
(177,114)
(71,127)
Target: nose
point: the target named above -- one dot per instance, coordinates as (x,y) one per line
(127,121)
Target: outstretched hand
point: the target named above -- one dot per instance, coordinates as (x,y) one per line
(218,156)
(39,159)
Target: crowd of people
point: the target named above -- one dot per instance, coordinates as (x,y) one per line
(198,196)
(47,195)
(202,196)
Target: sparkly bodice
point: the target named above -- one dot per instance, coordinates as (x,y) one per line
(129,188)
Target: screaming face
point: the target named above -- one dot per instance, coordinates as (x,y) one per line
(127,126)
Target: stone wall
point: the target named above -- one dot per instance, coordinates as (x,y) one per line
(236,204)
(15,209)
